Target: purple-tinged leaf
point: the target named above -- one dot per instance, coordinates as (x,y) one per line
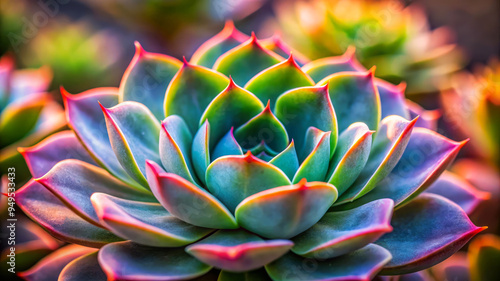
(129,261)
(246,60)
(270,83)
(134,134)
(316,156)
(355,98)
(285,211)
(188,202)
(339,233)
(47,210)
(87,121)
(191,91)
(82,269)
(146,79)
(227,145)
(27,81)
(238,250)
(287,161)
(208,52)
(200,151)
(360,265)
(392,99)
(57,147)
(231,108)
(74,181)
(426,231)
(388,147)
(350,157)
(427,118)
(233,178)
(321,68)
(458,190)
(144,223)
(254,275)
(301,108)
(48,268)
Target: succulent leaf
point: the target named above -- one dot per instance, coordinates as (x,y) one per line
(144,223)
(228,145)
(285,211)
(339,233)
(317,156)
(187,201)
(422,236)
(238,250)
(146,79)
(200,151)
(392,99)
(287,161)
(321,68)
(233,178)
(83,268)
(129,261)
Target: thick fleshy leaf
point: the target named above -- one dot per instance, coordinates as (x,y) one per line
(228,145)
(208,52)
(270,83)
(339,233)
(175,147)
(484,254)
(233,178)
(129,261)
(264,127)
(74,181)
(392,99)
(200,152)
(286,211)
(287,160)
(321,68)
(48,268)
(276,44)
(134,134)
(57,147)
(188,202)
(426,231)
(246,60)
(144,223)
(191,91)
(350,157)
(355,98)
(388,147)
(87,121)
(47,210)
(317,156)
(426,156)
(458,190)
(359,265)
(82,269)
(238,250)
(231,108)
(427,118)
(306,107)
(146,79)
(254,275)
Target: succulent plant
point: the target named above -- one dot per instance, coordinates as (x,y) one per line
(27,113)
(303,173)
(396,39)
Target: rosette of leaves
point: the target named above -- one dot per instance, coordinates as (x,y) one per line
(239,164)
(27,113)
(396,39)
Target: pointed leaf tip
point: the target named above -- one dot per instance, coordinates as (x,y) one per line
(139,50)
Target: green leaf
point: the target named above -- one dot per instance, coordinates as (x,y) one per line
(227,146)
(317,156)
(146,79)
(200,152)
(233,178)
(191,91)
(321,68)
(246,60)
(287,161)
(285,211)
(83,268)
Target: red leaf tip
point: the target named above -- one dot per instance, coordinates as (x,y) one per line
(402,87)
(184,61)
(349,53)
(139,50)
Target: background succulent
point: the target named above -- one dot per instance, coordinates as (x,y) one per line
(396,39)
(305,173)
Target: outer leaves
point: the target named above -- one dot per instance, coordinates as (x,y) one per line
(426,231)
(339,233)
(286,211)
(233,178)
(392,99)
(144,223)
(321,68)
(190,92)
(83,268)
(269,84)
(359,265)
(355,98)
(134,135)
(187,201)
(129,261)
(238,250)
(146,79)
